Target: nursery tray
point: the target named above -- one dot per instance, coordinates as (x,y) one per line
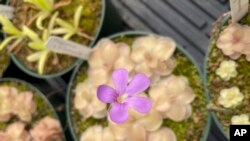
(189,22)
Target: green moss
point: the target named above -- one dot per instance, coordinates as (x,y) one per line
(4,61)
(187,130)
(216,84)
(91,18)
(192,128)
(43,108)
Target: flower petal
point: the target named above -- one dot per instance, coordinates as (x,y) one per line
(106,94)
(139,83)
(141,104)
(119,112)
(120,78)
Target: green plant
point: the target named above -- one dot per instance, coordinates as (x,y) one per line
(69,29)
(38,44)
(46,8)
(12,31)
(34,36)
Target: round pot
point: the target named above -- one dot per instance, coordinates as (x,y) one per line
(99,31)
(220,24)
(179,49)
(43,108)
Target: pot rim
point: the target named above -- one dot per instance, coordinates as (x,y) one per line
(225,19)
(139,33)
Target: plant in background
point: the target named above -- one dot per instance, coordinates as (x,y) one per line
(13,32)
(70,29)
(25,115)
(38,44)
(41,52)
(36,16)
(46,8)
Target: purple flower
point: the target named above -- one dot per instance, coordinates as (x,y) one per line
(125,95)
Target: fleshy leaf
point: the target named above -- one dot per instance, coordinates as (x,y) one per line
(60,31)
(31,34)
(65,24)
(36,45)
(45,35)
(77,16)
(52,21)
(6,41)
(42,61)
(34,57)
(44,5)
(8,27)
(39,22)
(68,35)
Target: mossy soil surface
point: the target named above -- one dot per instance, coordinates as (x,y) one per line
(89,24)
(189,130)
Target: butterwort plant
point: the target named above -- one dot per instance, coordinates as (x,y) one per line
(47,9)
(14,33)
(125,95)
(69,29)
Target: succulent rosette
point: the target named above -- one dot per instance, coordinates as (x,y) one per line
(137,87)
(227,72)
(35,21)
(25,114)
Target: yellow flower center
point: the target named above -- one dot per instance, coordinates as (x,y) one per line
(122,98)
